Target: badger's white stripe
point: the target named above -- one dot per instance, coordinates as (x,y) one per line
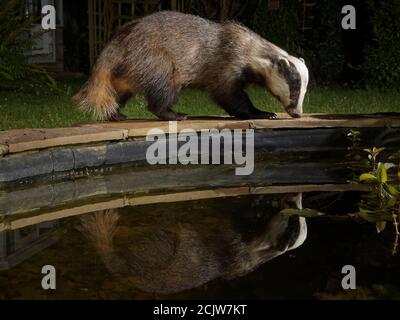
(277,83)
(302,234)
(303,71)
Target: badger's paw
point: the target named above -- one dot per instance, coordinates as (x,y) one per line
(181,116)
(170,115)
(265,115)
(118,116)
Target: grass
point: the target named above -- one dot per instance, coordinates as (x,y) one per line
(33,106)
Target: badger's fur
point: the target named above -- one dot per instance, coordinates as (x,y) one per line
(162,53)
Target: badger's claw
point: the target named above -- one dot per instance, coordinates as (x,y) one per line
(181,116)
(171,115)
(266,115)
(118,116)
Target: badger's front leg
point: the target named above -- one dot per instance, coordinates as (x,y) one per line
(237,103)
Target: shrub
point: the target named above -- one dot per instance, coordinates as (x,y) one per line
(15,41)
(323,43)
(382,54)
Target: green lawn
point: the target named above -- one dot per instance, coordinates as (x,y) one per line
(36,106)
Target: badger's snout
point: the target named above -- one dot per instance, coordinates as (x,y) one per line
(294,113)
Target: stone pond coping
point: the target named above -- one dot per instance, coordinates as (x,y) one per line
(22,140)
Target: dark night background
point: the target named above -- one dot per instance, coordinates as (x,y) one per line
(334,54)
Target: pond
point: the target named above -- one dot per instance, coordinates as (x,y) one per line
(186,232)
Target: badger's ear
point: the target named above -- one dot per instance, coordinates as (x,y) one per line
(302,60)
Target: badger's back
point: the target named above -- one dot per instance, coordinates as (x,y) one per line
(188,41)
(195,46)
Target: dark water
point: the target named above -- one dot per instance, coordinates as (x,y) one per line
(228,247)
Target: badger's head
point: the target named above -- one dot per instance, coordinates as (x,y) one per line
(287,80)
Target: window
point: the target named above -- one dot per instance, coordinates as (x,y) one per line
(35,7)
(45,47)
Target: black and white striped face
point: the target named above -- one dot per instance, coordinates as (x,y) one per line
(288,83)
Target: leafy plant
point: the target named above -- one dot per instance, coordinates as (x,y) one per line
(354,137)
(383,203)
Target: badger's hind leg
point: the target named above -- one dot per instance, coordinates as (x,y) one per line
(161,100)
(124,93)
(237,103)
(118,115)
(161,85)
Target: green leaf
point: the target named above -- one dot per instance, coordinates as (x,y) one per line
(362,210)
(354,133)
(375,216)
(380,226)
(391,202)
(367,177)
(382,173)
(377,151)
(392,190)
(302,213)
(389,165)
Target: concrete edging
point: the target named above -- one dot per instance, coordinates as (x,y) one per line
(27,153)
(21,140)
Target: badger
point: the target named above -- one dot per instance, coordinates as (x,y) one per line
(168,252)
(162,53)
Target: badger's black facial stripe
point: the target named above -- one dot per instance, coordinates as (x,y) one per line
(291,234)
(293,79)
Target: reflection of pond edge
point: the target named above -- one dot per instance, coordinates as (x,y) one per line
(173,197)
(169,179)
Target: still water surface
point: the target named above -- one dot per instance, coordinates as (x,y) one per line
(229,247)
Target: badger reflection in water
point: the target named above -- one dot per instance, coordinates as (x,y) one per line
(171,252)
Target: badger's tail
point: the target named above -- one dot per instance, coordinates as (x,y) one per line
(98,97)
